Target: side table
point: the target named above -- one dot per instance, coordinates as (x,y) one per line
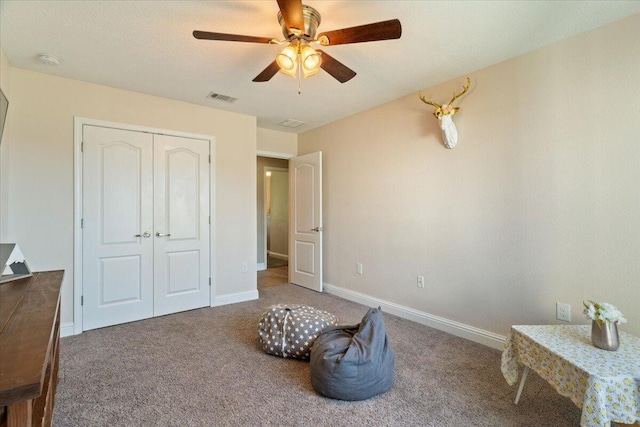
(604,384)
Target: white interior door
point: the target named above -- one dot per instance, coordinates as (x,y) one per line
(305,222)
(117,209)
(145,225)
(181,217)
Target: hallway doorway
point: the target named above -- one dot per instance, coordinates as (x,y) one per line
(276,216)
(273,221)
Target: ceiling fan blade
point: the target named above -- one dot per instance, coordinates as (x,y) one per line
(337,69)
(205,35)
(292,14)
(268,72)
(385,30)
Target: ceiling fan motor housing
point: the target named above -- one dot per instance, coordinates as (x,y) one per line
(311,23)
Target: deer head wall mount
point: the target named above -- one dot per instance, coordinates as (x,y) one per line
(444,113)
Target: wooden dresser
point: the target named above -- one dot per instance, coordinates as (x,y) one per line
(29,343)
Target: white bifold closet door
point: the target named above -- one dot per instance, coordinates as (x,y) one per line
(145,225)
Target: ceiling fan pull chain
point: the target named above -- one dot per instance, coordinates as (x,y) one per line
(299,72)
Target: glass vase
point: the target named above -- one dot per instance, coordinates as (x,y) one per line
(605,335)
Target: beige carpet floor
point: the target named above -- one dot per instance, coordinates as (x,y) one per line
(273,262)
(205,368)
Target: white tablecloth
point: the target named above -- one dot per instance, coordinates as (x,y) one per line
(605,384)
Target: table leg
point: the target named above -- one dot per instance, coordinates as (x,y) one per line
(522,381)
(20,413)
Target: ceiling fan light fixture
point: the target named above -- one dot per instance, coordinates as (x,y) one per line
(299,24)
(290,73)
(287,60)
(310,60)
(307,73)
(299,57)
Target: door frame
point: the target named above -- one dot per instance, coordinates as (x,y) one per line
(78,123)
(264,207)
(272,155)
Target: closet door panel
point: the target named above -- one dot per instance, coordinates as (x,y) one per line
(117,260)
(181,217)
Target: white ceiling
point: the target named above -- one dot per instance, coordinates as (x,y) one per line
(148,47)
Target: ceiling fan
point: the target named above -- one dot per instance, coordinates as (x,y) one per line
(299,24)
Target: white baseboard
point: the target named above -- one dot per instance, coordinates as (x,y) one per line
(471,333)
(277,255)
(235,298)
(261,266)
(67,329)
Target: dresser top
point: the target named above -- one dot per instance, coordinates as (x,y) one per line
(29,310)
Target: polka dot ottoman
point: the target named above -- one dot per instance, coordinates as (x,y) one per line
(289,330)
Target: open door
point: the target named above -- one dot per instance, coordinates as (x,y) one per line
(305,221)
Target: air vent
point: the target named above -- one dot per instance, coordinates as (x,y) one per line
(222,98)
(290,123)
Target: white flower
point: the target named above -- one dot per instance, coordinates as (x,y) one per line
(603,312)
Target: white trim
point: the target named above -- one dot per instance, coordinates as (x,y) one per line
(455,328)
(78,123)
(137,128)
(274,155)
(235,298)
(67,329)
(277,255)
(261,266)
(212,222)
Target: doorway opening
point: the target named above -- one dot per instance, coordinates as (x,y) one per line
(276,216)
(273,221)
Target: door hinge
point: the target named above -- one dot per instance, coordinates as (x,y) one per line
(209,220)
(82,147)
(81,299)
(82,223)
(209,281)
(209,158)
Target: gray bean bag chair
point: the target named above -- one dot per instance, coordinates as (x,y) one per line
(289,330)
(353,362)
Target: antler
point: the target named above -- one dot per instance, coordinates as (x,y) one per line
(430,101)
(465,88)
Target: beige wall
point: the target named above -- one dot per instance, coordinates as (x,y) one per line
(41,170)
(275,142)
(261,162)
(5,71)
(279,232)
(538,203)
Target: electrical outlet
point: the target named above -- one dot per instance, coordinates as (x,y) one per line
(244,267)
(359,268)
(563,312)
(421,281)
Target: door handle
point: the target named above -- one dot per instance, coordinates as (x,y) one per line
(146,234)
(316,230)
(162,235)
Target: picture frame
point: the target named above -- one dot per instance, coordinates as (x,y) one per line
(12,263)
